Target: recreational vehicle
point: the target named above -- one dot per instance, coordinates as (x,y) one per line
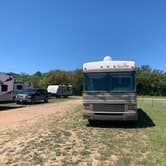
(60,90)
(109,90)
(6,87)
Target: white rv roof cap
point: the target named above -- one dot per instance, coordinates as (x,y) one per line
(107,64)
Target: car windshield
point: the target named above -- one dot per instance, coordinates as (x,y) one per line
(30,90)
(111,82)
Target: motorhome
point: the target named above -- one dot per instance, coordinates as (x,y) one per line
(60,90)
(20,86)
(6,87)
(109,90)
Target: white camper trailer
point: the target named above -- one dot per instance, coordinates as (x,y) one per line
(6,87)
(20,86)
(60,90)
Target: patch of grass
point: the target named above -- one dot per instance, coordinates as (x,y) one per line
(65,138)
(155,97)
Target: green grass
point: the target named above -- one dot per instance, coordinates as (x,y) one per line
(157,97)
(66,139)
(156,135)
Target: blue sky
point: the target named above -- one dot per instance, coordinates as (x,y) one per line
(63,34)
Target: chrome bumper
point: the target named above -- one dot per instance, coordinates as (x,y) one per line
(23,100)
(121,116)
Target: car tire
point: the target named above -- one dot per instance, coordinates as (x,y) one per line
(18,102)
(33,100)
(46,100)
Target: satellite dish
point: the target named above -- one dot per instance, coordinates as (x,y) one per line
(107,58)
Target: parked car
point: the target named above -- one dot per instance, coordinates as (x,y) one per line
(32,96)
(21,86)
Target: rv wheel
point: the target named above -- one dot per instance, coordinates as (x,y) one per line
(46,100)
(91,122)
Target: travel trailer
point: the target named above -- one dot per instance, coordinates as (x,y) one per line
(20,86)
(6,87)
(9,88)
(109,90)
(60,90)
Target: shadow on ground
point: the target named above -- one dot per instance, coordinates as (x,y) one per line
(21,105)
(6,108)
(144,121)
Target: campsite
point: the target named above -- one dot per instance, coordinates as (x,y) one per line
(82,83)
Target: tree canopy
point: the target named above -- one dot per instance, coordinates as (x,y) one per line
(148,81)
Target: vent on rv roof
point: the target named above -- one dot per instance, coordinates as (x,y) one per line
(107,58)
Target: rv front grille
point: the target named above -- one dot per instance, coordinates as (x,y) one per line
(109,107)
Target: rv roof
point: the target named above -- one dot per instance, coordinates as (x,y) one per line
(5,73)
(109,65)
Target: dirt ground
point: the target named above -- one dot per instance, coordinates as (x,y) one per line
(22,116)
(56,134)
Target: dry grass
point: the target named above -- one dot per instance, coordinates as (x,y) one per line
(66,139)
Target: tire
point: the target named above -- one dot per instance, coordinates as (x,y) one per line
(133,122)
(91,122)
(46,100)
(33,100)
(18,102)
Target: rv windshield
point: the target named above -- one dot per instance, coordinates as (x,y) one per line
(111,82)
(96,82)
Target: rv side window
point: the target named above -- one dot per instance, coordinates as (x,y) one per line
(19,87)
(4,88)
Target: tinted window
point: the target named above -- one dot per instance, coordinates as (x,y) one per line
(30,90)
(4,88)
(19,87)
(96,82)
(122,82)
(39,91)
(42,91)
(45,91)
(112,82)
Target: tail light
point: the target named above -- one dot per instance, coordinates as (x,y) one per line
(132,108)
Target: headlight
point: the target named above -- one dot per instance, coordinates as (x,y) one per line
(88,106)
